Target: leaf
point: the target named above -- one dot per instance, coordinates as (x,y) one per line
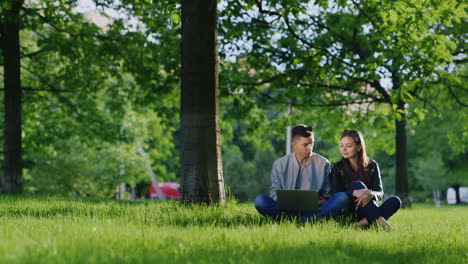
(175,18)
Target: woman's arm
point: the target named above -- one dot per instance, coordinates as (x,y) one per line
(335,177)
(376,182)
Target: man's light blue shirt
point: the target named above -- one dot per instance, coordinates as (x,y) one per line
(286,169)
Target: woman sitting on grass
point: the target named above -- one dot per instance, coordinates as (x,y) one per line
(359,177)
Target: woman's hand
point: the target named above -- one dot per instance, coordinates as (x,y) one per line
(358,193)
(364,196)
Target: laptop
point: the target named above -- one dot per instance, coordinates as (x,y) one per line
(297,200)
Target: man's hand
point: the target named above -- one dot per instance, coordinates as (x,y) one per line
(364,196)
(321,201)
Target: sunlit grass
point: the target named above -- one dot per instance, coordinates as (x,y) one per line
(71,230)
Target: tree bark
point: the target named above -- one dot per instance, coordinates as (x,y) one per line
(402,162)
(401,179)
(12,163)
(201,165)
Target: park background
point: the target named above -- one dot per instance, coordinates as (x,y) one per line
(89,84)
(100,77)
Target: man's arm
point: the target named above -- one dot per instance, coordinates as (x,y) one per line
(275,180)
(325,190)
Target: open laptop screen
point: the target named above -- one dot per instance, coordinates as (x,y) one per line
(297,200)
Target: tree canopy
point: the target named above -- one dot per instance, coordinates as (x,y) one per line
(91,89)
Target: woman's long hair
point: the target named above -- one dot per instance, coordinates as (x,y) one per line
(363,160)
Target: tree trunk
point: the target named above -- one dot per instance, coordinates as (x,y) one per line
(401,178)
(401,161)
(12,164)
(201,167)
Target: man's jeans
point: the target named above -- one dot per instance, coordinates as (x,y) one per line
(371,211)
(333,207)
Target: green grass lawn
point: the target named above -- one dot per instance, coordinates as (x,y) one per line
(71,230)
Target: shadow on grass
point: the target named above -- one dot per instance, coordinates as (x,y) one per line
(224,250)
(138,211)
(316,252)
(147,212)
(150,212)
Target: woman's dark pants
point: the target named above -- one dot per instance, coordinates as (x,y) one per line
(371,211)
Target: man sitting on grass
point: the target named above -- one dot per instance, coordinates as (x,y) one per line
(302,170)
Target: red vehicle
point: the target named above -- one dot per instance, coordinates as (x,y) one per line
(169,189)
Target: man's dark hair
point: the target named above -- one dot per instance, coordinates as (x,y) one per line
(301,131)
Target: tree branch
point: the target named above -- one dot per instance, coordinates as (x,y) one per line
(335,87)
(329,104)
(274,78)
(455,97)
(41,90)
(461,61)
(455,53)
(426,102)
(46,90)
(59,29)
(286,20)
(370,19)
(35,53)
(376,84)
(80,117)
(267,12)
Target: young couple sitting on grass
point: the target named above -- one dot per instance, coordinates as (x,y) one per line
(352,187)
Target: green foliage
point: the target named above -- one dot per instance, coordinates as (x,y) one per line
(247,177)
(78,78)
(74,230)
(349,65)
(156,137)
(74,167)
(434,163)
(92,91)
(248,148)
(341,56)
(430,172)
